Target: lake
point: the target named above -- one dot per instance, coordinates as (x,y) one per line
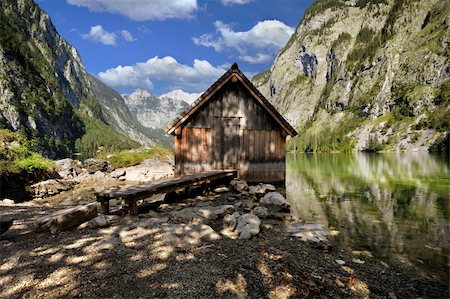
(394,206)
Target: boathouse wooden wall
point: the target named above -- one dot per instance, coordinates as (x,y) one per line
(232,131)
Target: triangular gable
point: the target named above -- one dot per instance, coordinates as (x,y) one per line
(233,72)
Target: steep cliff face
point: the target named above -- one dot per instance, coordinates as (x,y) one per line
(366,75)
(45,91)
(151,111)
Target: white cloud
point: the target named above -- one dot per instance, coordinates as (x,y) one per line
(126,35)
(255,59)
(193,78)
(256,45)
(98,34)
(232,2)
(142,10)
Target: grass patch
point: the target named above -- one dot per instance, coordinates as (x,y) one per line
(16,157)
(131,158)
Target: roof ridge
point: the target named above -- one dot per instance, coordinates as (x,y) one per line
(234,69)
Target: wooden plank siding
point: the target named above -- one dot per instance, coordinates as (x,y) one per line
(232,131)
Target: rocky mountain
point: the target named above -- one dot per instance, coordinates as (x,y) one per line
(47,94)
(151,111)
(366,75)
(181,95)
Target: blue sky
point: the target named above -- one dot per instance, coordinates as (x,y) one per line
(162,45)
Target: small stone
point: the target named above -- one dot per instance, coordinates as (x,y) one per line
(239,185)
(221,190)
(275,201)
(117,173)
(358,261)
(94,165)
(99,221)
(248,226)
(231,220)
(339,283)
(261,212)
(261,189)
(340,262)
(187,215)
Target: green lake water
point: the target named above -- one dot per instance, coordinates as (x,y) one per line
(395,206)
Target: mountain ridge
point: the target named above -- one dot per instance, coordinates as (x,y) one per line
(365,75)
(151,111)
(47,94)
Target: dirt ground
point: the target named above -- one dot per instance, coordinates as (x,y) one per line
(156,258)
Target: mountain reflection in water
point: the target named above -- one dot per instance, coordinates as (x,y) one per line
(396,206)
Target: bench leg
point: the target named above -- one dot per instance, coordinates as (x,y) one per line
(105,207)
(132,204)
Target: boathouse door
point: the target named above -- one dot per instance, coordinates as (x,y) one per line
(230,143)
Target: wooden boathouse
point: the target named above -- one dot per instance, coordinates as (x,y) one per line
(232,126)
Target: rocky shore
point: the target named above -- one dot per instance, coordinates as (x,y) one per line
(232,241)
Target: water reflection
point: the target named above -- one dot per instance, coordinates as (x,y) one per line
(394,205)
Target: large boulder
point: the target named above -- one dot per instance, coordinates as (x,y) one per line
(66,219)
(274,201)
(5,224)
(94,165)
(51,187)
(68,168)
(149,170)
(239,185)
(261,189)
(248,226)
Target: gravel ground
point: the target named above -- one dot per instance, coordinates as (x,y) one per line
(154,258)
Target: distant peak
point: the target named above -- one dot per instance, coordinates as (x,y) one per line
(142,92)
(179,94)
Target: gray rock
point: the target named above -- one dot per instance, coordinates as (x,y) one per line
(210,212)
(230,221)
(51,187)
(5,224)
(239,185)
(187,215)
(222,190)
(94,165)
(99,221)
(261,212)
(8,201)
(308,232)
(261,189)
(66,219)
(275,202)
(149,170)
(117,173)
(248,226)
(65,168)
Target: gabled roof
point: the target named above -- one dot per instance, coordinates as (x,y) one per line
(233,72)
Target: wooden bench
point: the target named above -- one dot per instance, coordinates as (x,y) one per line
(134,193)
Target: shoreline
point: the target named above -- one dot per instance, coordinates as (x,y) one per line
(160,256)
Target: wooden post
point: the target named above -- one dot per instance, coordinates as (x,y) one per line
(105,206)
(132,205)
